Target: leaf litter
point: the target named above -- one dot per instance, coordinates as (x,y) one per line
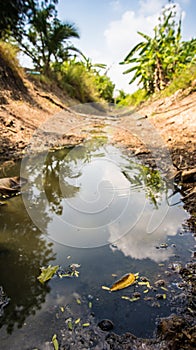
(134,279)
(48,272)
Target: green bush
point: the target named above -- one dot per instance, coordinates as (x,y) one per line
(131,99)
(181,80)
(86,85)
(105,87)
(76,80)
(9,53)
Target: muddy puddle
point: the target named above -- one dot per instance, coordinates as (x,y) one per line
(95,207)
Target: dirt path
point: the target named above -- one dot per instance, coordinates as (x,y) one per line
(160,133)
(174,118)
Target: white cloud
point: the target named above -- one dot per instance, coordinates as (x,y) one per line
(139,244)
(148,7)
(122,34)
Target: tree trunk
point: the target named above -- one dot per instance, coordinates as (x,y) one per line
(160,81)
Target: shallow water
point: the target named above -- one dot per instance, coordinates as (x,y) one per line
(95,206)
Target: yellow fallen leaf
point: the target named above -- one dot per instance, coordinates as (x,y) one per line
(77,321)
(163,288)
(146,291)
(86,324)
(134,299)
(125,297)
(164,296)
(105,288)
(130,299)
(142,283)
(123,282)
(147,284)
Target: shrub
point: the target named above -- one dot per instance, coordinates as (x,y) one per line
(86,85)
(181,80)
(131,99)
(9,54)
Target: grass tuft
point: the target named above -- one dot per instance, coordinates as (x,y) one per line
(9,54)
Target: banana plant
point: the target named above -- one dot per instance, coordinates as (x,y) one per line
(155,60)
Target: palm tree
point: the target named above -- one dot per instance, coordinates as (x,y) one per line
(47,38)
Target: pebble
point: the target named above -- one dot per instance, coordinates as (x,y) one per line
(144,279)
(159,296)
(163,245)
(106,325)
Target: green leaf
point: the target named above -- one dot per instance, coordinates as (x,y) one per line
(70,325)
(133,51)
(145,36)
(130,70)
(55,342)
(47,273)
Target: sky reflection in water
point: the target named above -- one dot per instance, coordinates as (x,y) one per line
(93,195)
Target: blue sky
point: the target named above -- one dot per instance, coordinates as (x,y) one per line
(108,28)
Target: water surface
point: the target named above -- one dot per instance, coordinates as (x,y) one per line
(95,206)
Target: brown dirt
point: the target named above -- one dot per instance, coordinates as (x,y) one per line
(26,104)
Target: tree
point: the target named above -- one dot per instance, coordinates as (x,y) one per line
(11,15)
(104,86)
(157,59)
(15,14)
(46,37)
